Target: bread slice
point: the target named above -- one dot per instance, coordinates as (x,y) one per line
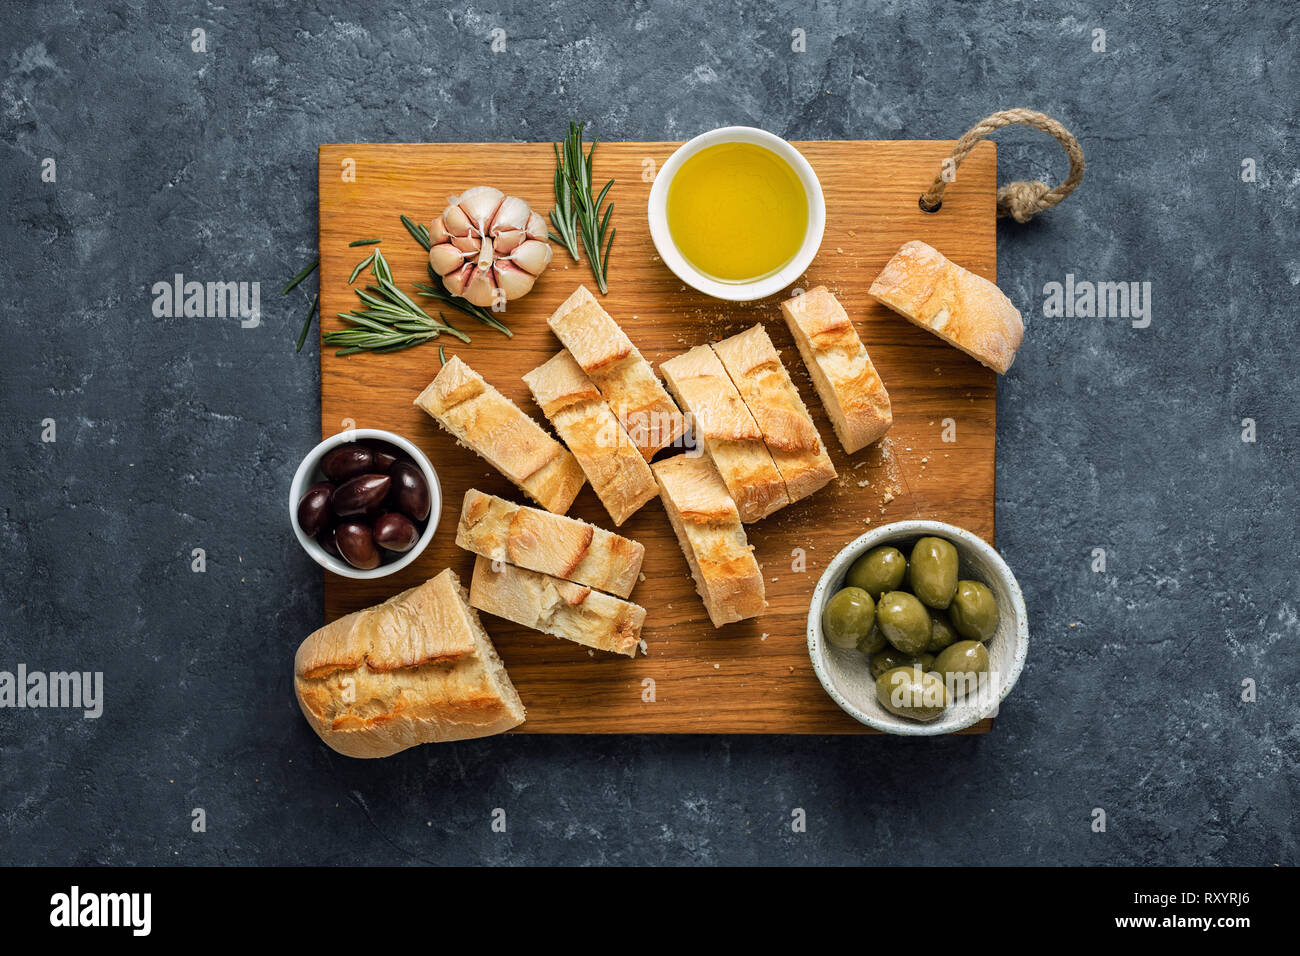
(559,608)
(614,466)
(727,431)
(965,310)
(854,397)
(755,368)
(624,378)
(553,544)
(712,538)
(418,668)
(490,425)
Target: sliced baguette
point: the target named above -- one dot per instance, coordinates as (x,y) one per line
(624,378)
(553,544)
(418,668)
(728,432)
(854,397)
(614,466)
(965,310)
(712,538)
(490,425)
(556,607)
(755,368)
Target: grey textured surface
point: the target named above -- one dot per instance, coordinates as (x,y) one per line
(174,434)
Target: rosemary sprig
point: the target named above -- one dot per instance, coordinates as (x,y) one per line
(573,195)
(364,242)
(562,216)
(418,231)
(389,320)
(306,323)
(307,270)
(438,291)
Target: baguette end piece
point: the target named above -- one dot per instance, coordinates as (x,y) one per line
(966,310)
(418,668)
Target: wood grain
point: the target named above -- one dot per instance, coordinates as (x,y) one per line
(750,677)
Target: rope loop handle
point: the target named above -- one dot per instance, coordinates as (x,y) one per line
(1020,200)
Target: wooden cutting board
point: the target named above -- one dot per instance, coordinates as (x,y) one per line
(749,677)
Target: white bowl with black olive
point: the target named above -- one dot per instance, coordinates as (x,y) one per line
(918,628)
(365,503)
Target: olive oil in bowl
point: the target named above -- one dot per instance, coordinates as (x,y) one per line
(737,212)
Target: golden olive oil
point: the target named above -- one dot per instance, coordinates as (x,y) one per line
(737,211)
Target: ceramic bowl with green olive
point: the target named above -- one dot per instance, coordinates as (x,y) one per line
(918,628)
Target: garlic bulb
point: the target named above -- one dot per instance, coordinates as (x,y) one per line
(488,247)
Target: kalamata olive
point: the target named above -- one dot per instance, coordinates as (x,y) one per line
(394,531)
(359,495)
(357,545)
(347,461)
(410,493)
(314,508)
(386,455)
(326,540)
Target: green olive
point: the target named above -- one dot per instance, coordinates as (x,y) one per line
(941,632)
(910,692)
(848,617)
(932,572)
(960,667)
(974,611)
(890,658)
(873,643)
(878,571)
(905,621)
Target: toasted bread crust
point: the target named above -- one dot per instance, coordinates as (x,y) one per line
(756,369)
(552,544)
(965,310)
(712,538)
(492,426)
(624,378)
(613,465)
(556,607)
(418,668)
(727,430)
(847,383)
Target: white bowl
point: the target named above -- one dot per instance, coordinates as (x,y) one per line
(309,473)
(737,291)
(846,674)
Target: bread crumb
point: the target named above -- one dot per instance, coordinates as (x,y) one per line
(763,637)
(888,498)
(717,667)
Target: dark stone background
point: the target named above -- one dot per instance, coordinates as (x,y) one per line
(176,434)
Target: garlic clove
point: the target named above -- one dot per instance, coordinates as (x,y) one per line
(445,258)
(536,227)
(480,290)
(456,281)
(513,280)
(467,244)
(438,232)
(479,204)
(512,214)
(454,221)
(506,242)
(532,256)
